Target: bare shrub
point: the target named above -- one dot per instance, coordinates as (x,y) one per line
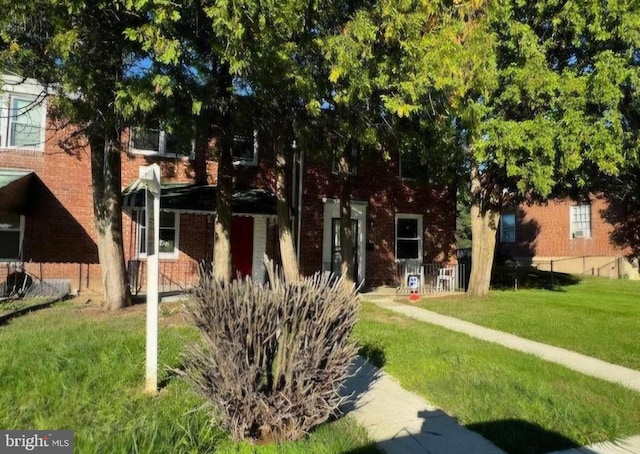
(274,356)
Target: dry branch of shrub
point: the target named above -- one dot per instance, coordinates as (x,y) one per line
(274,356)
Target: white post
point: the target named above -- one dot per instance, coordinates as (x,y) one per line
(151,176)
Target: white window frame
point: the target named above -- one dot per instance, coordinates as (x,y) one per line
(420,234)
(503,231)
(241,161)
(137,215)
(580,221)
(162,145)
(7,120)
(21,240)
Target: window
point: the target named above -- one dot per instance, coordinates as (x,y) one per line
(410,165)
(22,122)
(245,149)
(409,237)
(335,169)
(169,234)
(157,141)
(413,166)
(11,235)
(508,228)
(580,218)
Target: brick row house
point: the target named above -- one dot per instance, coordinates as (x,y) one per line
(567,236)
(46,214)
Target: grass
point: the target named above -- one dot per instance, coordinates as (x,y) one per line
(11,305)
(597,317)
(73,367)
(520,403)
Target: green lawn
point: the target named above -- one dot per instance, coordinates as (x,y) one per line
(519,402)
(11,305)
(72,367)
(598,317)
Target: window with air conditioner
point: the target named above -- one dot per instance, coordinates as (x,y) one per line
(580,220)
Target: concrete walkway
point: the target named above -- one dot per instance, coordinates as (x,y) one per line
(629,446)
(587,365)
(402,422)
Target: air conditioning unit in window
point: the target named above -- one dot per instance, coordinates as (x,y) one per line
(579,234)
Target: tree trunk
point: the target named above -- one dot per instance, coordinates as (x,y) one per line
(484,223)
(222,228)
(107,209)
(201,148)
(287,248)
(346,226)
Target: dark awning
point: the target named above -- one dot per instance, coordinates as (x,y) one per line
(14,190)
(200,199)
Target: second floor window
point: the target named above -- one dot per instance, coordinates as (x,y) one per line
(508,228)
(245,149)
(156,141)
(22,122)
(580,219)
(353,170)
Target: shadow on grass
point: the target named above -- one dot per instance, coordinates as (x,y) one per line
(368,449)
(528,277)
(514,435)
(362,376)
(436,432)
(441,434)
(170,375)
(18,311)
(374,353)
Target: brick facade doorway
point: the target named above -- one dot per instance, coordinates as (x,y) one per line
(242,245)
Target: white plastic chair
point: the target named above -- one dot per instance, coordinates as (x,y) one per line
(446,275)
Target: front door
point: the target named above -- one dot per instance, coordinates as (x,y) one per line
(336,251)
(242,245)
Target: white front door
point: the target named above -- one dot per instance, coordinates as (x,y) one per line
(331,237)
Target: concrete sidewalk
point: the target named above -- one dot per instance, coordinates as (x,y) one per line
(402,422)
(629,446)
(587,365)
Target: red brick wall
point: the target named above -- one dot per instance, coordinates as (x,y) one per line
(386,194)
(59,232)
(60,239)
(544,231)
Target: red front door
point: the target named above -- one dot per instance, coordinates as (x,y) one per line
(242,245)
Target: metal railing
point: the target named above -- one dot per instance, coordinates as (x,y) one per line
(174,277)
(430,277)
(585,265)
